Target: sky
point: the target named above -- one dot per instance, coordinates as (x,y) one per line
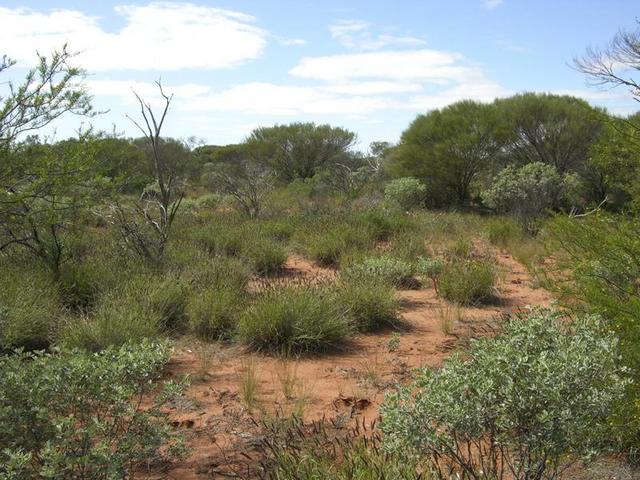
(369,66)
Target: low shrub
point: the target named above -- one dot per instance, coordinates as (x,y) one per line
(370,304)
(522,405)
(461,248)
(74,414)
(385,268)
(29,309)
(221,272)
(223,240)
(409,193)
(293,320)
(467,282)
(430,267)
(327,248)
(280,230)
(143,308)
(501,231)
(295,450)
(213,312)
(267,256)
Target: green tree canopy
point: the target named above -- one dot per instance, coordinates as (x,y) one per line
(301,150)
(554,129)
(447,150)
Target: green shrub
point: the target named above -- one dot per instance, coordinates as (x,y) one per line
(81,282)
(468,282)
(29,308)
(293,320)
(213,312)
(522,405)
(385,268)
(267,256)
(370,304)
(500,231)
(223,240)
(432,268)
(408,192)
(77,415)
(208,200)
(527,192)
(221,272)
(280,230)
(381,225)
(328,248)
(462,248)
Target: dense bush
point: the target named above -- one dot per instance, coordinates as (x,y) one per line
(468,281)
(601,255)
(432,268)
(327,248)
(529,191)
(522,405)
(384,268)
(293,320)
(369,303)
(74,414)
(408,193)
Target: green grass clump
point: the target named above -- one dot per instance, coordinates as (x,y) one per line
(327,248)
(267,256)
(384,268)
(468,282)
(221,272)
(213,312)
(29,309)
(370,304)
(143,308)
(502,231)
(293,320)
(462,248)
(223,240)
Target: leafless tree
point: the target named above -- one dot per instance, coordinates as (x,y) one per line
(158,212)
(614,64)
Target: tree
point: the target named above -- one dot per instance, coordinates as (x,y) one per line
(48,91)
(447,150)
(614,64)
(42,187)
(149,234)
(239,174)
(42,208)
(552,129)
(301,150)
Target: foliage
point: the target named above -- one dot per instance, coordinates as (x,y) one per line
(521,405)
(529,191)
(448,150)
(301,150)
(293,320)
(602,257)
(73,414)
(327,248)
(384,268)
(432,268)
(468,281)
(501,231)
(557,130)
(409,193)
(39,212)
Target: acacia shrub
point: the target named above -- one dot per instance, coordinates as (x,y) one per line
(522,405)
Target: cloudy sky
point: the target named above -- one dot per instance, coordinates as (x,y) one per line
(370,66)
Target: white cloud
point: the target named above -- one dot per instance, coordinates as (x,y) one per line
(157,36)
(356,34)
(432,66)
(491,4)
(293,41)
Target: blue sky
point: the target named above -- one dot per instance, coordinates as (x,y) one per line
(369,66)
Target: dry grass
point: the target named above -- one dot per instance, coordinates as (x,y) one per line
(449,316)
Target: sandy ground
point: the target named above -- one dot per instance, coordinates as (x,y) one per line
(346,387)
